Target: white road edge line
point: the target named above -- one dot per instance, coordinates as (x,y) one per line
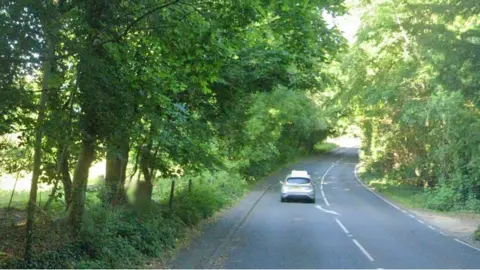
(323,178)
(396,207)
(365,186)
(341,226)
(325,198)
(421,221)
(466,244)
(431,227)
(326,211)
(363,250)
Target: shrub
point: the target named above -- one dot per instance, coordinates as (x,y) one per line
(442,198)
(123,237)
(476,235)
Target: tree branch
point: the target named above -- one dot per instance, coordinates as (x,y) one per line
(133,23)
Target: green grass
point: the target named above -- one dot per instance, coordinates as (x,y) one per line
(20,198)
(411,197)
(324,147)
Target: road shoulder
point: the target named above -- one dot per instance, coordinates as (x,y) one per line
(461,226)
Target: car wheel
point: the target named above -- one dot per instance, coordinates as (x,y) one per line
(313,200)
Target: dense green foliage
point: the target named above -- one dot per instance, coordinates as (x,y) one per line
(125,237)
(160,90)
(216,94)
(413,78)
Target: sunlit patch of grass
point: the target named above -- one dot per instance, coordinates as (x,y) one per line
(97,173)
(324,147)
(20,198)
(378,182)
(410,196)
(22,189)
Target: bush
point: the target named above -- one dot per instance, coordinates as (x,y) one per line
(476,235)
(442,199)
(124,237)
(206,199)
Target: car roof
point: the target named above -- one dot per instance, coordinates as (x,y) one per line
(296,173)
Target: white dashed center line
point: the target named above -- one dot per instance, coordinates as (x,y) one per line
(341,226)
(323,178)
(365,252)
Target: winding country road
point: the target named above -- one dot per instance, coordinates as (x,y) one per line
(348,227)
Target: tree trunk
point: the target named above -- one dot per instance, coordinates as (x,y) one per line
(37,156)
(145,189)
(52,195)
(172,192)
(13,192)
(117,160)
(80,179)
(65,177)
(148,180)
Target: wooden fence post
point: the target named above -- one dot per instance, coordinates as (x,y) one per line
(172,190)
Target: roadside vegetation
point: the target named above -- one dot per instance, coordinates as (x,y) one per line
(186,103)
(413,86)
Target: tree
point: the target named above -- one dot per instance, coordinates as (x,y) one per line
(411,74)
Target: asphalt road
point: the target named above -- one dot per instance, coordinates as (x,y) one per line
(348,227)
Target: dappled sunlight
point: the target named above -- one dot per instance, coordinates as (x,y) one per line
(378,182)
(97,172)
(7,181)
(346,141)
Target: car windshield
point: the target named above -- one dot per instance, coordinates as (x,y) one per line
(299,181)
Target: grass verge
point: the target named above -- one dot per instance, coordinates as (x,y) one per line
(411,197)
(324,147)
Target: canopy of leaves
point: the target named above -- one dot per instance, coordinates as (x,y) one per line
(413,78)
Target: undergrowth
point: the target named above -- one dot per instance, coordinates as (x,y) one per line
(441,198)
(125,237)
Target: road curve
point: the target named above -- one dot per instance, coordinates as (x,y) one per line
(348,227)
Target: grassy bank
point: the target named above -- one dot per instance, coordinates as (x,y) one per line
(408,196)
(414,197)
(324,147)
(125,237)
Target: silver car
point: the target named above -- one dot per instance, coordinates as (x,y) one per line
(298,185)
